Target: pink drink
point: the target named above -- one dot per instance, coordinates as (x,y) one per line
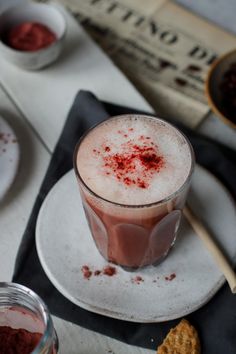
(134,173)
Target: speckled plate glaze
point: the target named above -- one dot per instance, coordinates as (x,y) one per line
(9,157)
(185,281)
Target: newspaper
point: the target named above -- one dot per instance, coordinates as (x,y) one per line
(161,47)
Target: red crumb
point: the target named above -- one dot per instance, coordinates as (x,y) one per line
(4,138)
(109,270)
(137,280)
(170,277)
(86,272)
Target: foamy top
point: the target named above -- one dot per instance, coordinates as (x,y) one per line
(134,160)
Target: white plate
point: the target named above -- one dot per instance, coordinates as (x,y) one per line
(9,157)
(64,245)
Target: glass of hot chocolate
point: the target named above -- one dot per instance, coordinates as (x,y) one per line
(134,173)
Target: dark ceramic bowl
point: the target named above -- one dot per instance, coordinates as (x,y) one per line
(217,94)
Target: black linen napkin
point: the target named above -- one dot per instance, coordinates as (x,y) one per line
(216,321)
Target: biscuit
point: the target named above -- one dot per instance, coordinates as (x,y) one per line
(183,339)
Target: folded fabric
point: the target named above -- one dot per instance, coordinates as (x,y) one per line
(216,321)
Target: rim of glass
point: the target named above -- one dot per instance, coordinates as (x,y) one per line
(48,331)
(134,206)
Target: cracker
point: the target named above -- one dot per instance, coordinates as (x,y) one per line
(183,339)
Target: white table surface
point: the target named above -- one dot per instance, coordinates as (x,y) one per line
(38,119)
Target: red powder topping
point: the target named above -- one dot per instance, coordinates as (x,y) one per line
(109,270)
(136,165)
(17,341)
(29,37)
(171,277)
(97,152)
(97,272)
(86,272)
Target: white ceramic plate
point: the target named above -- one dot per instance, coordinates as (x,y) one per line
(9,157)
(65,245)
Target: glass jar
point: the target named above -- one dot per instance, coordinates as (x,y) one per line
(23,311)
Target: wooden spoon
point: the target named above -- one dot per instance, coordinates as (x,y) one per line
(212,247)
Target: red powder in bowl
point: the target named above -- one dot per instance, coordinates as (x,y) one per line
(29,37)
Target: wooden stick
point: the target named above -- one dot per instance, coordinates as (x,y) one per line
(212,247)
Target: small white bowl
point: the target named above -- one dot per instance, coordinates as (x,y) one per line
(31,12)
